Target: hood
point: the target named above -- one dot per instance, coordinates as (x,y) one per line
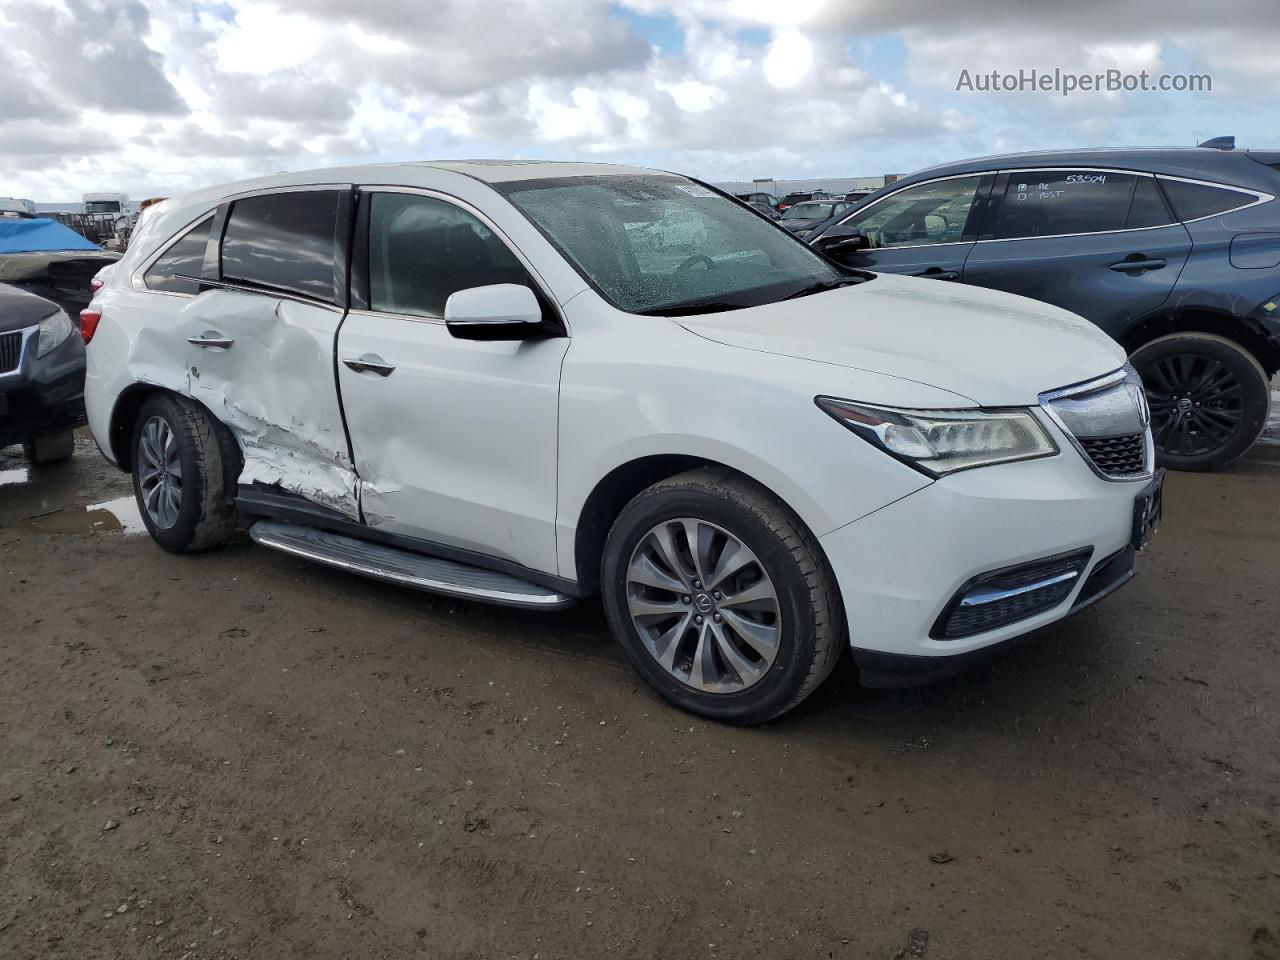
(795,224)
(20,309)
(994,348)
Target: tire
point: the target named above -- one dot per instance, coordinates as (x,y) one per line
(800,628)
(51,447)
(1209,398)
(200,514)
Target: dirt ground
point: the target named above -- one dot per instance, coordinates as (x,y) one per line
(238,754)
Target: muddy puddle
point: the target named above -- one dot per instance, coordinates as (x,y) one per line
(82,495)
(120,514)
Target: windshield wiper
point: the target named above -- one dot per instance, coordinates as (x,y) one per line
(692,309)
(822,287)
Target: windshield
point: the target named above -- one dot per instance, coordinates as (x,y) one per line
(662,244)
(102,206)
(809,211)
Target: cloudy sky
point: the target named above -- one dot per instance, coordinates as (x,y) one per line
(156,96)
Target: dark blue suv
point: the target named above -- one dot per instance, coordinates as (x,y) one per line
(1173,252)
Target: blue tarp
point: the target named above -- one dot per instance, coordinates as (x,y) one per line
(41,234)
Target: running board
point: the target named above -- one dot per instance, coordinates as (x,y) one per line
(394,565)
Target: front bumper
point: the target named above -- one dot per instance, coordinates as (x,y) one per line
(901,568)
(42,394)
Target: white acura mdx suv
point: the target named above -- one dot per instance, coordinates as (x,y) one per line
(523,383)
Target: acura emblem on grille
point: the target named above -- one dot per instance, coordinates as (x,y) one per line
(1140,399)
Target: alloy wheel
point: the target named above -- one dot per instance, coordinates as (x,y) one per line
(1197,403)
(704,605)
(159,472)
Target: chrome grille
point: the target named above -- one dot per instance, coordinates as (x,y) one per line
(1109,422)
(1118,456)
(10,351)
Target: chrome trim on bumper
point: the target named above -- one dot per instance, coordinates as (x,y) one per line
(979,597)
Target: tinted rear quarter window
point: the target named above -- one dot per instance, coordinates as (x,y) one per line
(1192,201)
(183,259)
(1047,203)
(1147,209)
(283,241)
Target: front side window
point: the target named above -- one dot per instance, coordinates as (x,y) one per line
(422,249)
(182,261)
(926,213)
(1050,203)
(283,241)
(662,244)
(1192,201)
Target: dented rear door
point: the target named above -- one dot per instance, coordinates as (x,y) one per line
(259,340)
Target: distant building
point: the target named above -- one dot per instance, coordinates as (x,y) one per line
(830,184)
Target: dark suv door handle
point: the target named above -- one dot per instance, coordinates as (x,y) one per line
(370,363)
(937,273)
(1137,263)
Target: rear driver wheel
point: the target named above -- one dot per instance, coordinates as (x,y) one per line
(1209,399)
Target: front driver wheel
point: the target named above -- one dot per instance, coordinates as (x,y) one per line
(1209,399)
(721,597)
(179,478)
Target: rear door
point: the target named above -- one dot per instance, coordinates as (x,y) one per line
(455,440)
(1100,243)
(924,230)
(259,338)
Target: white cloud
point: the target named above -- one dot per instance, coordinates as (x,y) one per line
(789,59)
(156,96)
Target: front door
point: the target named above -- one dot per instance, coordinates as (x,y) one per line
(259,342)
(454,440)
(924,230)
(1099,243)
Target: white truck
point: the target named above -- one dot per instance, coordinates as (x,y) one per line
(16,207)
(118,206)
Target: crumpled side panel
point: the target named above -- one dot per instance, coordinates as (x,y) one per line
(275,391)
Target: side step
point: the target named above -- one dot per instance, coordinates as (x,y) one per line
(408,569)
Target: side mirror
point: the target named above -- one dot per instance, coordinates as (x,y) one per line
(842,239)
(500,311)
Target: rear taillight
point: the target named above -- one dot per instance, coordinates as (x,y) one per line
(95,285)
(89,323)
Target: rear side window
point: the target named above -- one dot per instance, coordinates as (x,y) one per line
(1191,201)
(1147,208)
(422,249)
(283,241)
(1049,203)
(183,259)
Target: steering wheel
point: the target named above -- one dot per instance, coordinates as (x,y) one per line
(696,258)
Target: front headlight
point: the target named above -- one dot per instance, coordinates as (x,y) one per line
(54,329)
(938,442)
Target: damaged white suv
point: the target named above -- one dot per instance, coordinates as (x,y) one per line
(524,383)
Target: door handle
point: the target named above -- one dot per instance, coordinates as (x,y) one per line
(370,363)
(1137,263)
(211,338)
(937,273)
